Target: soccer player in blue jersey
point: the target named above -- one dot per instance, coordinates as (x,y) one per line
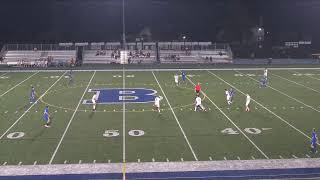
(46,117)
(183,76)
(32,97)
(314,141)
(263,82)
(231,93)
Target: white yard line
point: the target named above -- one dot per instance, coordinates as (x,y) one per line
(296,83)
(25,112)
(4,74)
(231,121)
(18,84)
(282,93)
(73,115)
(283,120)
(305,75)
(174,114)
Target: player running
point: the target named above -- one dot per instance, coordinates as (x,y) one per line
(157,103)
(197,88)
(263,82)
(198,104)
(231,93)
(228,96)
(183,75)
(70,77)
(265,73)
(32,95)
(176,79)
(248,99)
(314,141)
(94,101)
(46,117)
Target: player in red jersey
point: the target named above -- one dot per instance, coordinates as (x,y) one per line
(198,89)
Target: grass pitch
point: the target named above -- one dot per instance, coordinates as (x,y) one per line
(278,126)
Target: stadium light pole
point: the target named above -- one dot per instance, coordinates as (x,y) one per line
(123,26)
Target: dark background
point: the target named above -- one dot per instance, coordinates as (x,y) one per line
(162,20)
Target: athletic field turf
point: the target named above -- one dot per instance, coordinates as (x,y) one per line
(278,126)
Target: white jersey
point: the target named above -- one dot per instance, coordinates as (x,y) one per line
(94,98)
(265,73)
(248,99)
(198,101)
(227,94)
(157,101)
(176,78)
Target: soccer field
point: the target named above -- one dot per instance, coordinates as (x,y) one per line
(278,126)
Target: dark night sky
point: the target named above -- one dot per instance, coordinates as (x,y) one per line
(211,20)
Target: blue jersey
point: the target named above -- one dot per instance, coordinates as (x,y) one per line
(33,93)
(183,75)
(314,138)
(46,114)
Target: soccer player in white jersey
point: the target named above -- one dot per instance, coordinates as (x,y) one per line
(228,96)
(94,101)
(198,104)
(248,99)
(265,73)
(157,103)
(176,79)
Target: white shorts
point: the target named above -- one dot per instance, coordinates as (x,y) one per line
(228,98)
(157,105)
(176,81)
(93,101)
(247,103)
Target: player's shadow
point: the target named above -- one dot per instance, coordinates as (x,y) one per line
(37,135)
(91,115)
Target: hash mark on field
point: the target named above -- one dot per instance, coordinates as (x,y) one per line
(5,163)
(80,161)
(6,112)
(224,158)
(109,161)
(138,160)
(35,163)
(16,112)
(167,160)
(153,160)
(19,163)
(210,158)
(182,159)
(307,156)
(94,161)
(280,157)
(294,156)
(65,162)
(253,158)
(238,158)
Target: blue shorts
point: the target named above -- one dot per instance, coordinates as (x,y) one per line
(46,118)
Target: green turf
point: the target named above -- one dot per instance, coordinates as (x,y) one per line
(289,111)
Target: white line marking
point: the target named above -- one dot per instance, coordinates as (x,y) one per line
(296,83)
(138,160)
(280,157)
(238,158)
(294,156)
(153,160)
(182,159)
(174,114)
(307,156)
(210,158)
(35,163)
(109,161)
(80,161)
(253,158)
(4,74)
(30,107)
(283,94)
(18,84)
(224,158)
(19,163)
(168,160)
(74,113)
(94,161)
(65,162)
(305,75)
(264,108)
(5,163)
(232,122)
